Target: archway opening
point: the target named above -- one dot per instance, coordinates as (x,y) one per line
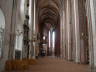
(2,30)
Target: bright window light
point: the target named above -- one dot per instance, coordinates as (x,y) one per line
(53,39)
(49,39)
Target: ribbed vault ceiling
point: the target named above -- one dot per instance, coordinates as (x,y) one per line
(48,12)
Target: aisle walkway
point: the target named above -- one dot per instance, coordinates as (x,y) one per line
(48,64)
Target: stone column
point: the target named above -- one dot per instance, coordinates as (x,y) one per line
(64,34)
(12,30)
(62,31)
(92,31)
(68,34)
(84,47)
(93,18)
(34,36)
(30,27)
(76,36)
(61,34)
(57,41)
(6,7)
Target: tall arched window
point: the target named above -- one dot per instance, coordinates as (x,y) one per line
(2,28)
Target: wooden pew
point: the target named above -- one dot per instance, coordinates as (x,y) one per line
(19,64)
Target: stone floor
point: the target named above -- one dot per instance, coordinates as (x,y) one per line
(49,64)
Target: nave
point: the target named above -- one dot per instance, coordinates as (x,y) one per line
(33,29)
(53,64)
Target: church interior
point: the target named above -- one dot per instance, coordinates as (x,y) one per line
(47,35)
